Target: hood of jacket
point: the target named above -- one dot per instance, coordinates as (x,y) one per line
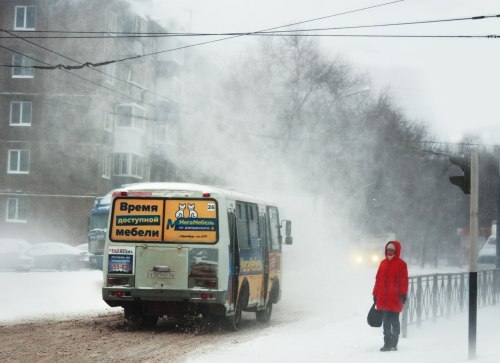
(397,244)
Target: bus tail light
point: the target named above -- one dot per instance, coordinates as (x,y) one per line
(120,294)
(116,281)
(124,193)
(203,275)
(120,194)
(205,296)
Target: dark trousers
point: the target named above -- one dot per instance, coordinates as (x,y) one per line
(391,323)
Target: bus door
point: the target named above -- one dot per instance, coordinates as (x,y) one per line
(234,260)
(250,250)
(265,255)
(274,244)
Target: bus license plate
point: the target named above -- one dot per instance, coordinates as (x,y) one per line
(161,275)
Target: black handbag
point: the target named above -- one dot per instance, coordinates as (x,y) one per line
(374,317)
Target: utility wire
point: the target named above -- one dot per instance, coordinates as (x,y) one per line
(265,34)
(87,64)
(258,33)
(73,74)
(487,36)
(84,64)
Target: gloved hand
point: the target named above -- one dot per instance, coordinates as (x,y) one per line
(403,298)
(374,300)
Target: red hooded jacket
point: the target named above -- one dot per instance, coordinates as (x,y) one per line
(391,283)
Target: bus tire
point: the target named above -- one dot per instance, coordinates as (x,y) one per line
(235,320)
(149,321)
(263,316)
(210,322)
(134,321)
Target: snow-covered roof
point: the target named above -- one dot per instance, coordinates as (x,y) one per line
(190,188)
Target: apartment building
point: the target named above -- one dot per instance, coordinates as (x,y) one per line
(68,135)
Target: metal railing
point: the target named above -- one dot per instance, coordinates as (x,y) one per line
(440,295)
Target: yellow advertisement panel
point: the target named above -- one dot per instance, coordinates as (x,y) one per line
(164,220)
(138,219)
(190,220)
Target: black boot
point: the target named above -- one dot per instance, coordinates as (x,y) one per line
(387,344)
(394,343)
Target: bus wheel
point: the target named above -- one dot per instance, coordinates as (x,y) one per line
(149,321)
(263,316)
(139,321)
(235,320)
(134,320)
(210,323)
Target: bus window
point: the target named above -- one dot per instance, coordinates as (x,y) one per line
(263,234)
(253,224)
(242,226)
(274,228)
(248,226)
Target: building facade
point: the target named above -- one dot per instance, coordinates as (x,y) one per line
(70,135)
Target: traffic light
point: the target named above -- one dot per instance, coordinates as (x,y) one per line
(463,182)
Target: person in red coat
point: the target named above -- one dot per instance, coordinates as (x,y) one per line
(389,292)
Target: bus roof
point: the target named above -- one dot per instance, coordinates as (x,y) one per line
(190,188)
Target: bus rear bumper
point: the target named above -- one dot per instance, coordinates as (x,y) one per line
(167,302)
(118,296)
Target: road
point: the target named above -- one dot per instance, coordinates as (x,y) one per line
(105,338)
(59,316)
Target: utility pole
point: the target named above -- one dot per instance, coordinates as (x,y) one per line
(469,183)
(497,222)
(474,201)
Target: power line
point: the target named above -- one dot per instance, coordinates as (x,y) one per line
(60,66)
(488,36)
(89,64)
(113,35)
(66,71)
(86,64)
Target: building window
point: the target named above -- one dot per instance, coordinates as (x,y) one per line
(23,67)
(106,166)
(130,116)
(20,113)
(108,121)
(25,18)
(19,162)
(128,165)
(16,210)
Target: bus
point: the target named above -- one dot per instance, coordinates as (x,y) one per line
(181,250)
(98,221)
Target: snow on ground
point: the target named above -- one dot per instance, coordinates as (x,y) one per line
(325,339)
(50,294)
(330,326)
(320,325)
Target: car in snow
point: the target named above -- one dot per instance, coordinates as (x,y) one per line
(55,256)
(84,252)
(369,250)
(366,255)
(13,255)
(488,253)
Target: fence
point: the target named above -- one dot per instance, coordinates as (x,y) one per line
(438,295)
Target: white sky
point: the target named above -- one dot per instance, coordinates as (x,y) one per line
(451,84)
(326,325)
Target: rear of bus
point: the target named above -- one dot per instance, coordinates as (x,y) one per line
(163,251)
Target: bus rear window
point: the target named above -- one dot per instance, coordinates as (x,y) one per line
(164,220)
